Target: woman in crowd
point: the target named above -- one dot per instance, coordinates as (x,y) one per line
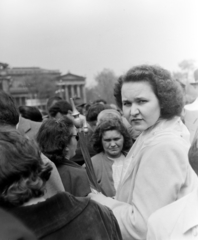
(111,141)
(157,170)
(22,185)
(57,139)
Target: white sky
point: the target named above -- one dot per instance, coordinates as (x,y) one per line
(86,36)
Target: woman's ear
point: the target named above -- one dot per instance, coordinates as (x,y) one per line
(67,152)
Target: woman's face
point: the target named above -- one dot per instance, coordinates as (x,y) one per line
(112,142)
(72,146)
(140,105)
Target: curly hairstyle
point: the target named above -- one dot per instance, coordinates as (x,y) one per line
(167,90)
(108,125)
(23,175)
(53,137)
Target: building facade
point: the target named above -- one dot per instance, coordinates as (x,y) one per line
(71,86)
(25,83)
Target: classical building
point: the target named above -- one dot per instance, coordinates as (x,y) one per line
(20,83)
(71,86)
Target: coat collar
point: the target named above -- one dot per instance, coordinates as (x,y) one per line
(24,125)
(163,128)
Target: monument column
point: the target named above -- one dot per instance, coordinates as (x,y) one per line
(72,91)
(84,93)
(66,93)
(78,91)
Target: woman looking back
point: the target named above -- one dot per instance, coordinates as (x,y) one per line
(157,170)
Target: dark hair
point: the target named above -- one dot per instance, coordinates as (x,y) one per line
(53,137)
(117,92)
(166,89)
(52,100)
(22,173)
(8,111)
(60,107)
(31,113)
(193,153)
(93,112)
(108,125)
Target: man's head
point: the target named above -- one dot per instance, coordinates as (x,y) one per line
(92,114)
(8,112)
(59,109)
(51,101)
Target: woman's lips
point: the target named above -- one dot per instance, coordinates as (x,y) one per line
(136,120)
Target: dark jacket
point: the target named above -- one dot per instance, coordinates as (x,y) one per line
(65,217)
(12,229)
(74,178)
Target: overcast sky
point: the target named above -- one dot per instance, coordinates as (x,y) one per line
(86,36)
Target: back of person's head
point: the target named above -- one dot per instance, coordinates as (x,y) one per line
(53,138)
(193,153)
(8,111)
(93,112)
(108,114)
(31,113)
(52,100)
(62,107)
(22,173)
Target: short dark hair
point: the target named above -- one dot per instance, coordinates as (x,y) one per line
(193,153)
(117,92)
(61,106)
(22,173)
(52,100)
(8,111)
(166,89)
(31,113)
(53,137)
(108,125)
(93,112)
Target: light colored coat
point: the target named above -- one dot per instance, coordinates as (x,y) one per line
(158,174)
(177,221)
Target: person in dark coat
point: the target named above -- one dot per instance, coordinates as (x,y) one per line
(57,139)
(23,176)
(12,229)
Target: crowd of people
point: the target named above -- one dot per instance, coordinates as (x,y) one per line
(142,158)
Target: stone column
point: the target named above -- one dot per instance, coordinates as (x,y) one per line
(84,93)
(72,91)
(78,91)
(66,93)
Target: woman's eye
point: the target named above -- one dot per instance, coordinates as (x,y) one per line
(126,104)
(142,101)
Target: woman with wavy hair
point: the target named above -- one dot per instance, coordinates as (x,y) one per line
(23,176)
(111,141)
(157,171)
(57,139)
